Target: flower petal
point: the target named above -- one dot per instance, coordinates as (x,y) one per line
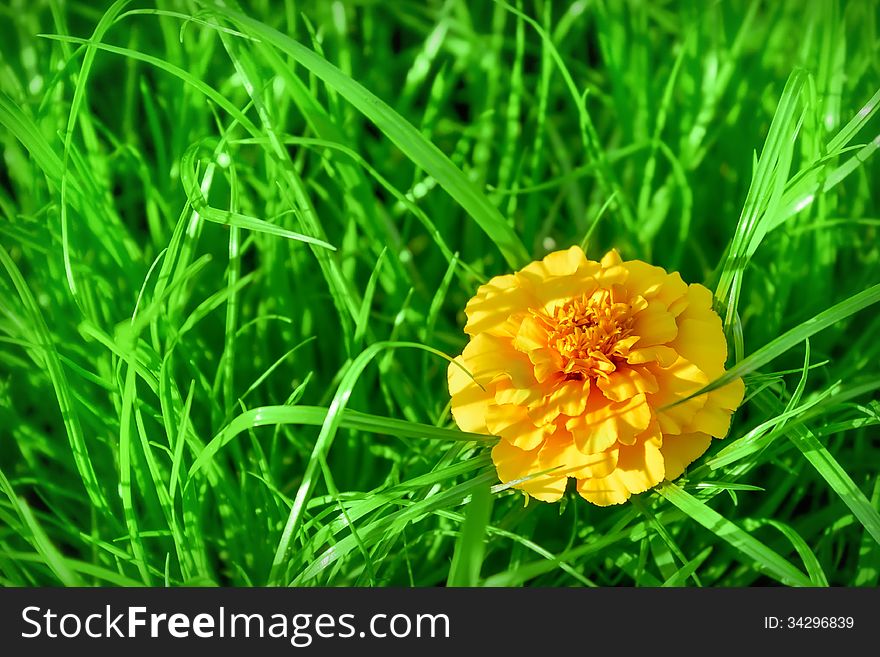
(664,356)
(710,419)
(571,396)
(641,464)
(604,491)
(612,275)
(703,343)
(559,276)
(508,393)
(512,463)
(680,451)
(604,422)
(675,383)
(567,398)
(489,357)
(515,426)
(469,401)
(557,291)
(695,304)
(559,263)
(561,452)
(627,382)
(730,396)
(672,291)
(498,307)
(611,259)
(531,339)
(530,336)
(654,325)
(714,417)
(644,279)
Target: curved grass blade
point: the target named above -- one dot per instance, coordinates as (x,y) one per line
(829,469)
(811,563)
(406,137)
(765,559)
(48,553)
(227,217)
(63,390)
(78,94)
(325,440)
(316,416)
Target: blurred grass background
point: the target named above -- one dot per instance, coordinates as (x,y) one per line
(218,222)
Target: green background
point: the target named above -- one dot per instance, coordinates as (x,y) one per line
(236,246)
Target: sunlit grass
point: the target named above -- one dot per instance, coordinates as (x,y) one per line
(236,243)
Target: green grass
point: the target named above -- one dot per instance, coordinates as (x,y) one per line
(236,243)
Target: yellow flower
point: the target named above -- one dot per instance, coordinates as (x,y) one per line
(573,362)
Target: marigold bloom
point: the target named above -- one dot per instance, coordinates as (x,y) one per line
(573,362)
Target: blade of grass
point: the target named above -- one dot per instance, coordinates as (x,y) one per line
(316,416)
(129,395)
(406,137)
(830,470)
(811,563)
(63,391)
(790,338)
(765,559)
(48,553)
(470,548)
(687,570)
(227,217)
(325,440)
(868,571)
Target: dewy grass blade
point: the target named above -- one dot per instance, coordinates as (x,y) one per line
(165,501)
(401,198)
(100,574)
(587,129)
(868,569)
(360,508)
(367,302)
(293,188)
(227,217)
(766,175)
(680,576)
(129,398)
(162,65)
(28,133)
(856,123)
(379,528)
(811,562)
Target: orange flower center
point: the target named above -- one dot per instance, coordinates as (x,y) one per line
(587,332)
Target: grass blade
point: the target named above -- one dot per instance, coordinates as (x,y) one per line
(766,560)
(790,338)
(470,548)
(830,470)
(422,152)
